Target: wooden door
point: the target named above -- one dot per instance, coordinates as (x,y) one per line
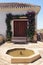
(20,28)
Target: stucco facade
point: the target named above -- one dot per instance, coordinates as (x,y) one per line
(14,10)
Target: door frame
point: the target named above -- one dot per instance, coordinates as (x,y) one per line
(20,21)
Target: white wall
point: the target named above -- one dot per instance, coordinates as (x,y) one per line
(3,18)
(2,23)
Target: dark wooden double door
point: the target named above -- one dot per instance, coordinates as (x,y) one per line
(20,28)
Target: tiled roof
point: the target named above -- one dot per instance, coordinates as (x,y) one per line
(19,7)
(15,5)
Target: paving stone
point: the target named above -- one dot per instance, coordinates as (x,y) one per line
(38,46)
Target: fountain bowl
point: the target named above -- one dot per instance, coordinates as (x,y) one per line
(22,58)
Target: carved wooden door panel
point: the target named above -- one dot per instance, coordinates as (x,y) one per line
(20,28)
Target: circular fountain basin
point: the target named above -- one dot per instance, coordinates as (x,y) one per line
(22,55)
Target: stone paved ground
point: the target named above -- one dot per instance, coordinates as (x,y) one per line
(38,46)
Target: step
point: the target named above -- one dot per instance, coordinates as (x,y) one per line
(18,39)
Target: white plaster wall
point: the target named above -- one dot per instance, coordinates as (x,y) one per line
(3,18)
(2,23)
